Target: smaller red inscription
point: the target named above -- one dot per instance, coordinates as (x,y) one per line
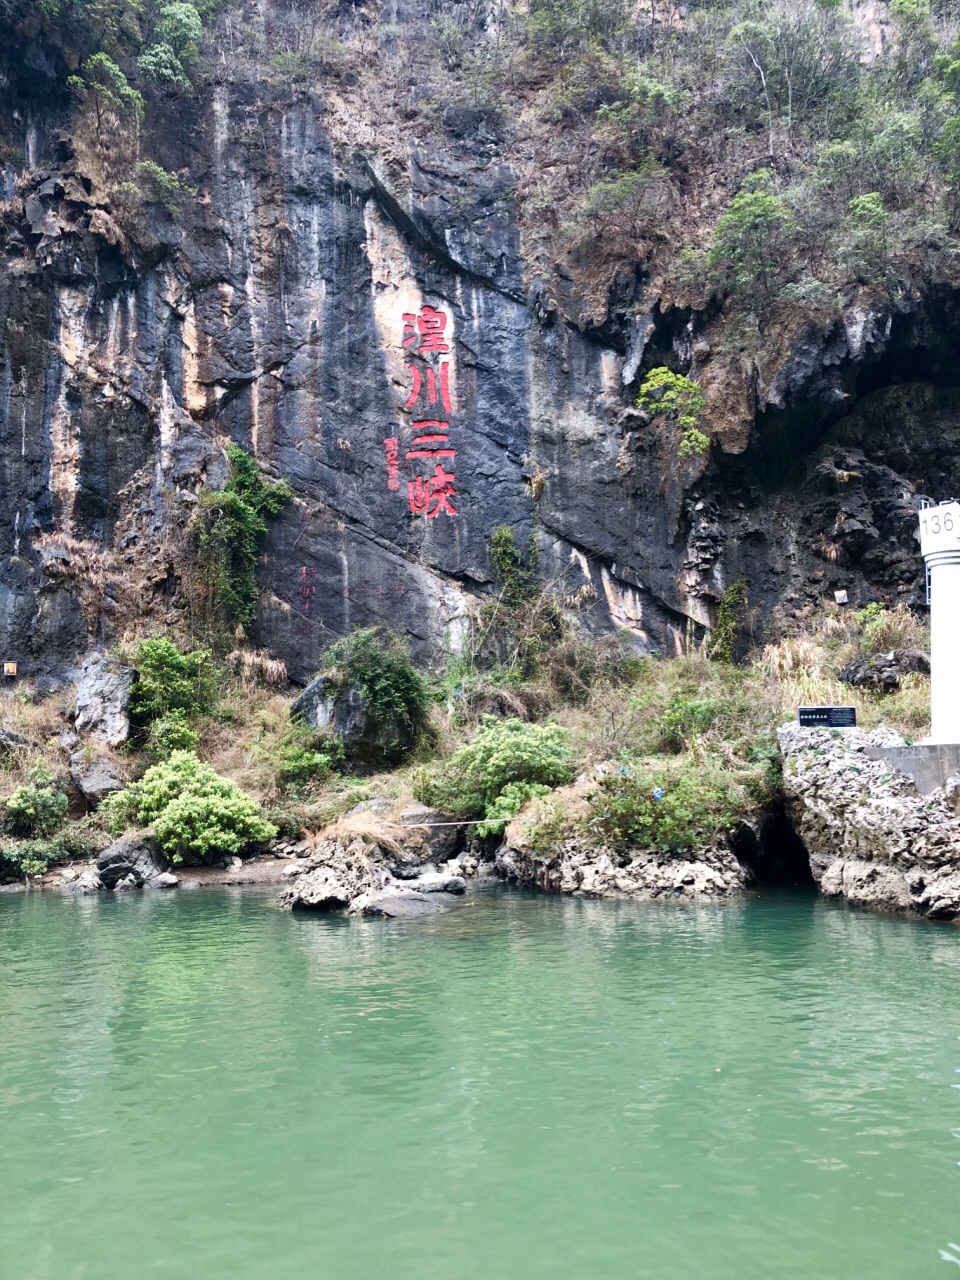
(391,447)
(306,591)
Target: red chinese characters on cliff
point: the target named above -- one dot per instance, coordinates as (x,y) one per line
(425,342)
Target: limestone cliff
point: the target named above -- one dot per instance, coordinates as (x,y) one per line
(372,311)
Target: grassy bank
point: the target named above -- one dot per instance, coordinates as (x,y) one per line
(583,736)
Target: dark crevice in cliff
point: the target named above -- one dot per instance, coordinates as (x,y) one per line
(775,854)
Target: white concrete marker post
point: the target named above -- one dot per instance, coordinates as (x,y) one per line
(940,548)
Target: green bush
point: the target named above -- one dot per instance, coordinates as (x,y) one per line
(194,813)
(503,754)
(169,681)
(377,663)
(685,718)
(38,806)
(671,395)
(731,614)
(300,764)
(672,812)
(507,805)
(171,732)
(517,581)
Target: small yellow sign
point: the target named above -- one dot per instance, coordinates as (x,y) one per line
(9,668)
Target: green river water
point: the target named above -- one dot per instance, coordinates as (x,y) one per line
(196,1085)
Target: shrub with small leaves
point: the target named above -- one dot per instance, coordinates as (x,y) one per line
(301,763)
(672,813)
(194,812)
(38,806)
(671,395)
(171,681)
(230,526)
(507,805)
(171,732)
(377,663)
(685,719)
(502,754)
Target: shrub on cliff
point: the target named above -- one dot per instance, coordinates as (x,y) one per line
(231,523)
(194,813)
(170,682)
(505,764)
(38,806)
(377,664)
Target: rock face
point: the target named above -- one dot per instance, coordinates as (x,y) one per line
(321,300)
(132,862)
(12,742)
(573,867)
(103,700)
(325,704)
(884,671)
(94,776)
(871,837)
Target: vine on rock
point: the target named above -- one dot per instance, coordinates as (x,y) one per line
(231,522)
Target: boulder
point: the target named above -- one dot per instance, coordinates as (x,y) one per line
(94,776)
(130,862)
(103,700)
(396,904)
(340,873)
(440,835)
(438,882)
(165,880)
(356,877)
(433,836)
(338,709)
(11,742)
(883,672)
(87,882)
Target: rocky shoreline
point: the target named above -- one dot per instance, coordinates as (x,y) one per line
(872,840)
(871,837)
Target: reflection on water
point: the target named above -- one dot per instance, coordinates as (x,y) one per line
(196,1084)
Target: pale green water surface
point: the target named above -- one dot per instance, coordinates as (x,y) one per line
(195,1085)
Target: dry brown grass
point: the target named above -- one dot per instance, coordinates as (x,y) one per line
(379,828)
(257,667)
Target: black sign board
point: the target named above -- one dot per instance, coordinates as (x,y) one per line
(828,717)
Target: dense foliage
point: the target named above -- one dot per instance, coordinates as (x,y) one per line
(38,806)
(171,685)
(193,812)
(505,764)
(231,524)
(377,663)
(667,811)
(671,395)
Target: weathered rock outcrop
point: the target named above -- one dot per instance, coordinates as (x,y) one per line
(871,837)
(884,672)
(355,876)
(103,700)
(329,705)
(94,776)
(575,867)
